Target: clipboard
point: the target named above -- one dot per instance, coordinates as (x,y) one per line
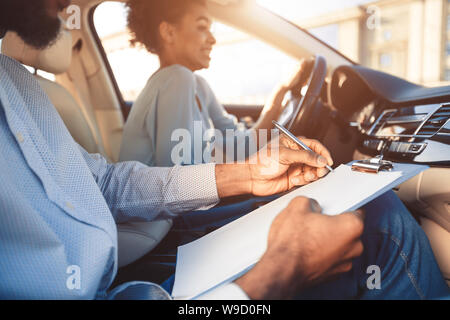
(374,165)
(223,255)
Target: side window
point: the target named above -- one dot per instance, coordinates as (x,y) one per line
(243,70)
(132,66)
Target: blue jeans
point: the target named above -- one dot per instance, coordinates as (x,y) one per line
(219,216)
(393,242)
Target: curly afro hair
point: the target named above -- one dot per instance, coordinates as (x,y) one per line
(145,17)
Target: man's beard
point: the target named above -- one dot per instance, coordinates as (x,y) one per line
(30,20)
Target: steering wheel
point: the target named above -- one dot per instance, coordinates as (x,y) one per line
(298,110)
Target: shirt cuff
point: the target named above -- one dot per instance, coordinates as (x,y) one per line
(199,182)
(229,291)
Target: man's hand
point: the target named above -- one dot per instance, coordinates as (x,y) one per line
(304,248)
(276,168)
(273,173)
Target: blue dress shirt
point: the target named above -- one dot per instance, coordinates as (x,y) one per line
(59,205)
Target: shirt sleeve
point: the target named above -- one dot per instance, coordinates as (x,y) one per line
(220,117)
(229,291)
(133,190)
(242,139)
(174,115)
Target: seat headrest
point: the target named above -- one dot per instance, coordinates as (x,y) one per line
(54,59)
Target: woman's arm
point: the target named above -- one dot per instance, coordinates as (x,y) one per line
(173,118)
(273,107)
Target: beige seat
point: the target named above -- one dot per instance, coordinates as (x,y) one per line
(134,239)
(440,242)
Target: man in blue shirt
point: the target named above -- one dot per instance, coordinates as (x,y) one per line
(59,207)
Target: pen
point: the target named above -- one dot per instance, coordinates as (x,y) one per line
(296,140)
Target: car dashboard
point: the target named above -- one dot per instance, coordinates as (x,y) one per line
(419,134)
(400,120)
(376,114)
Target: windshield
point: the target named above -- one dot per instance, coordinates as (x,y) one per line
(406,38)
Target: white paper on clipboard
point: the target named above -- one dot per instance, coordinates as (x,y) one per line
(225,254)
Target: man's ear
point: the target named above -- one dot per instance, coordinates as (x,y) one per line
(167,32)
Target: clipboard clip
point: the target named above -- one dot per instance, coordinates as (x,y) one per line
(373,165)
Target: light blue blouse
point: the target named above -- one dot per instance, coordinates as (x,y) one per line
(167,103)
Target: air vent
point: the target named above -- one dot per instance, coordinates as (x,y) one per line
(382,120)
(435,122)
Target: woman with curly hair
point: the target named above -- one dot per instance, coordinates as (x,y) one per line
(178,31)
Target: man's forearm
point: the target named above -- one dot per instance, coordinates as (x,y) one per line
(271,110)
(270,279)
(233,180)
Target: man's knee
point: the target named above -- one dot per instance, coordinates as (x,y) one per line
(388,214)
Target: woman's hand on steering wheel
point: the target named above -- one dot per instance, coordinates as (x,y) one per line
(294,79)
(299,76)
(298,110)
(274,108)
